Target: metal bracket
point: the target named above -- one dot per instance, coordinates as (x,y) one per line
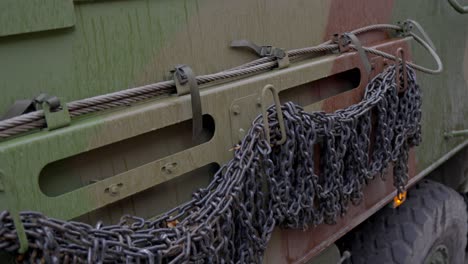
(280,55)
(20,107)
(279,112)
(345,258)
(400,55)
(186,82)
(345,40)
(55,112)
(342,42)
(14,214)
(407,27)
(456,133)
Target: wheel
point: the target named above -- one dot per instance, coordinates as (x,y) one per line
(430,227)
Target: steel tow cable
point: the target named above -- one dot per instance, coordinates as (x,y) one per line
(35,120)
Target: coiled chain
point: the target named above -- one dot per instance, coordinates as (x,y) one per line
(311,179)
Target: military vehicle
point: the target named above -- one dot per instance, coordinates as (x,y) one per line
(216,131)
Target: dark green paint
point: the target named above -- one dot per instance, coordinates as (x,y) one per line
(25,16)
(444,95)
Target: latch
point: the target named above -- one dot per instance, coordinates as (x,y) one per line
(345,40)
(280,55)
(55,112)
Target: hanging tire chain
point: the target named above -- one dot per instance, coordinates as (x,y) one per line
(263,186)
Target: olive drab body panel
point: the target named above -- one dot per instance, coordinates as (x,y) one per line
(93,150)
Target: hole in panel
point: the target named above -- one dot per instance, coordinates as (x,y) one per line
(318,90)
(89,167)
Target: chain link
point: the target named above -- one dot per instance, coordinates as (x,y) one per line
(311,179)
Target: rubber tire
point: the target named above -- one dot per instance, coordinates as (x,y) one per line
(433,214)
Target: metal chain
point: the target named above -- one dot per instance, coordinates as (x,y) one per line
(311,179)
(35,120)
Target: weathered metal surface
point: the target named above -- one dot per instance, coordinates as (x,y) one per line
(462,9)
(25,16)
(119,44)
(299,246)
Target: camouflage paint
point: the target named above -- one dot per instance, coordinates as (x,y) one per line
(444,97)
(25,16)
(120,44)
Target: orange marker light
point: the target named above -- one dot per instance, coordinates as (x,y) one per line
(399,199)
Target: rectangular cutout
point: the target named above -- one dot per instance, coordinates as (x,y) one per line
(98,164)
(318,90)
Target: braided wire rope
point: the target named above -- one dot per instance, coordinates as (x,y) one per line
(35,120)
(310,179)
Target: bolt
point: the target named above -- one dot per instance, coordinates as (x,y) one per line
(236,109)
(169,168)
(114,189)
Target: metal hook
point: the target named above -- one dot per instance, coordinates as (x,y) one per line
(266,125)
(401,56)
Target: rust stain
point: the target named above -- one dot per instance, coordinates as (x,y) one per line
(303,245)
(345,15)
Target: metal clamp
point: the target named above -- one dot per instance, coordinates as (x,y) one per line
(264,51)
(344,42)
(186,82)
(266,125)
(406,30)
(401,57)
(55,112)
(21,107)
(407,27)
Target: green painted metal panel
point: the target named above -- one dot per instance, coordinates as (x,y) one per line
(119,44)
(23,16)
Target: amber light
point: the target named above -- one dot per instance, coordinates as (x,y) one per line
(399,199)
